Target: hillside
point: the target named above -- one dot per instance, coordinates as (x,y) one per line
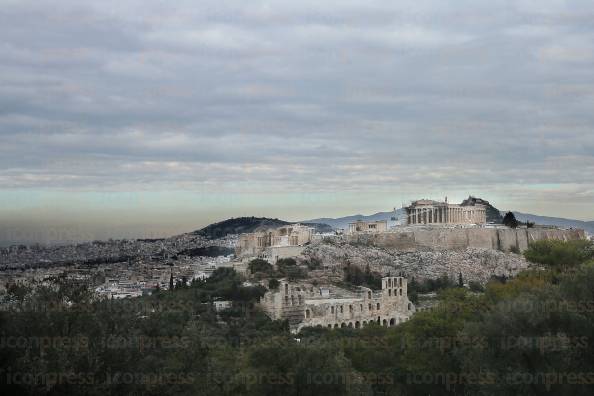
(343,222)
(242,225)
(587,226)
(238,225)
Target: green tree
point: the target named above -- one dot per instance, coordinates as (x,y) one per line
(510,220)
(273,284)
(259,265)
(559,255)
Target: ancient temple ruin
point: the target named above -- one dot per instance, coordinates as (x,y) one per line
(426,211)
(306,305)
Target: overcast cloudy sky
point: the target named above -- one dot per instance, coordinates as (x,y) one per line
(126,117)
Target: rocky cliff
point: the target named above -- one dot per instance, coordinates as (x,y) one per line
(476,264)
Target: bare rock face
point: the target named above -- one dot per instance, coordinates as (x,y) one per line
(475,264)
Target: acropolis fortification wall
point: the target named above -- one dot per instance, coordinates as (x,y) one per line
(443,238)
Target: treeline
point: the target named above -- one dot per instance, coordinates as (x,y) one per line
(531,335)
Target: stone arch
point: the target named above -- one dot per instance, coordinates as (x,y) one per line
(342,325)
(307,314)
(357,325)
(400,291)
(385,323)
(370,308)
(369,295)
(329,326)
(392,322)
(378,306)
(390,292)
(351,325)
(336,325)
(378,320)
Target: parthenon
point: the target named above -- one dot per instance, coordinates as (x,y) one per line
(425,211)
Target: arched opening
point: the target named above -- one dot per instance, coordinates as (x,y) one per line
(341,309)
(392,322)
(390,292)
(378,320)
(307,314)
(369,294)
(357,325)
(385,323)
(370,307)
(409,306)
(378,306)
(350,308)
(331,309)
(351,325)
(400,282)
(361,307)
(400,291)
(329,326)
(336,325)
(342,325)
(286,288)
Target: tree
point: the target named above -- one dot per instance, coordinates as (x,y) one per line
(259,265)
(476,287)
(510,220)
(559,255)
(273,284)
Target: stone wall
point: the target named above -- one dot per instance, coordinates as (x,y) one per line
(444,238)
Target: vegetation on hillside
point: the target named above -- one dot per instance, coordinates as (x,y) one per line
(530,335)
(242,225)
(238,225)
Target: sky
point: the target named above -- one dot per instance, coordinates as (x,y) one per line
(148,118)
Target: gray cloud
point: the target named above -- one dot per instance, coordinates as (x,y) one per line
(493,97)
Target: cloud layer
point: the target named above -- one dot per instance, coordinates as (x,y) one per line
(237,97)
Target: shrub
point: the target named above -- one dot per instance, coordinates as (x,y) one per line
(259,265)
(559,254)
(476,287)
(273,284)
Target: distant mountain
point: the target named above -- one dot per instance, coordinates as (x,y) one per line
(556,221)
(242,225)
(343,222)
